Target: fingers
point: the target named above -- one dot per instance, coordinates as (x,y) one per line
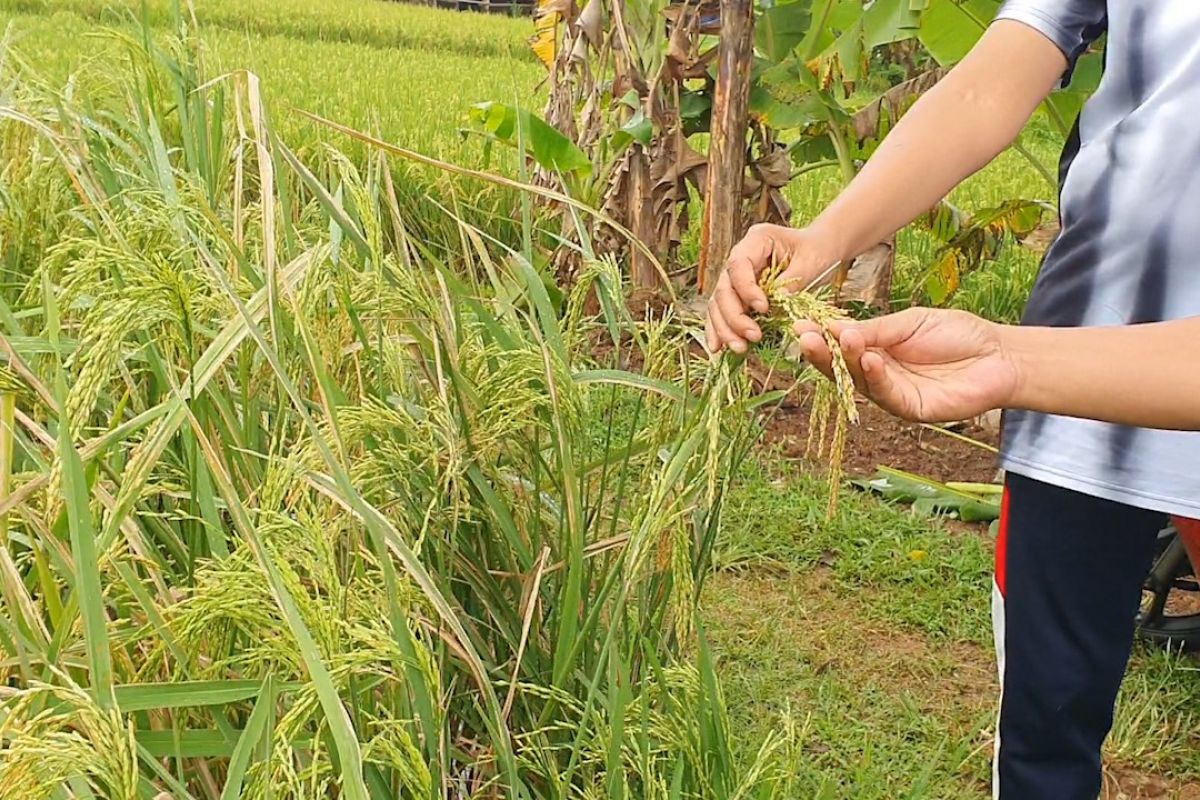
(738,293)
(816,352)
(854,348)
(743,278)
(886,331)
(721,333)
(866,367)
(746,261)
(879,384)
(731,319)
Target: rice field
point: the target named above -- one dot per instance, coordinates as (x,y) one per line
(312,486)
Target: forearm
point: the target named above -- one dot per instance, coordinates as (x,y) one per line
(955,129)
(1134,375)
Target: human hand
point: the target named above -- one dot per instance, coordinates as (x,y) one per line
(925,365)
(804,253)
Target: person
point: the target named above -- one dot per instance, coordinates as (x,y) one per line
(1084,499)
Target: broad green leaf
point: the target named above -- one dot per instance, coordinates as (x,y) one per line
(782,26)
(548,146)
(695,110)
(638,129)
(887,21)
(950,28)
(930,497)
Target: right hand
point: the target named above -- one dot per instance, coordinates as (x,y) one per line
(804,255)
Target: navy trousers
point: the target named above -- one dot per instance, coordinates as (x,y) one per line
(1069,570)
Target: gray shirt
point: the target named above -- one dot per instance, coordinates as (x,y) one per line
(1129,250)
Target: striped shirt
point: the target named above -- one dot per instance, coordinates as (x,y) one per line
(1129,250)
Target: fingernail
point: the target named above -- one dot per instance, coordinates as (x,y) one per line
(761,306)
(753,335)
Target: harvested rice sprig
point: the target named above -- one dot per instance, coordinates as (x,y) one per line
(833,408)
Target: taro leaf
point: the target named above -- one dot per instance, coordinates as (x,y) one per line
(1016,217)
(548,146)
(970,240)
(1021,217)
(780,115)
(782,26)
(789,96)
(950,28)
(945,221)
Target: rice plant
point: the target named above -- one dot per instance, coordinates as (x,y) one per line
(295,503)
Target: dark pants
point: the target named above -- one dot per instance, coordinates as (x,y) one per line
(1069,570)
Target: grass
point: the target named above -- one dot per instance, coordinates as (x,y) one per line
(875,627)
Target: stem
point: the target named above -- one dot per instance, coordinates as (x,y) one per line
(1057,118)
(843,151)
(813,166)
(8,405)
(1036,162)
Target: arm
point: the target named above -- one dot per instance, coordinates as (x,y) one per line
(937,365)
(956,128)
(1136,375)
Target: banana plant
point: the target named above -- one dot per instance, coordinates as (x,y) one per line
(633,85)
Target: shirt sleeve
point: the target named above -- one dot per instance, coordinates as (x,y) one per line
(1071,25)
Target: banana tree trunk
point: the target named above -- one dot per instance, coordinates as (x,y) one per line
(722,221)
(641,216)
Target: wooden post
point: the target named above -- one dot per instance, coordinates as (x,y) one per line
(722,221)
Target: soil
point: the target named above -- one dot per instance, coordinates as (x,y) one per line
(1129,784)
(1183,603)
(880,439)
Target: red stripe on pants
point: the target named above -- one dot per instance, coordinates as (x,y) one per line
(1002,546)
